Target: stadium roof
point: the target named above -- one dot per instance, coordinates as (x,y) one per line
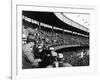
(51,19)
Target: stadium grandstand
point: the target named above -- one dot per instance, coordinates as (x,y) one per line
(63,34)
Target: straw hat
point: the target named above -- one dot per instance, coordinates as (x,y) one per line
(60,55)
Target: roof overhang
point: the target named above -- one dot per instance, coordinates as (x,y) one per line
(52,19)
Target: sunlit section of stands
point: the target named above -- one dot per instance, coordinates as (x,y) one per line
(65,19)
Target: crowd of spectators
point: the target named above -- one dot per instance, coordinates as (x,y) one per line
(53,38)
(77,58)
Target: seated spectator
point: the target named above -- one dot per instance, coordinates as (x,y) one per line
(28,56)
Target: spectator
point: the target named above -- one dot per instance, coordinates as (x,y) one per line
(29,56)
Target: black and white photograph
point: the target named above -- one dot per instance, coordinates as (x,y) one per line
(55,39)
(50,40)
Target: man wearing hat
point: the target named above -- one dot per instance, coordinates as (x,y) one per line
(61,61)
(28,58)
(53,58)
(44,56)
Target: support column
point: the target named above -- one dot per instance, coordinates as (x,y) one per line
(52,34)
(39,27)
(63,35)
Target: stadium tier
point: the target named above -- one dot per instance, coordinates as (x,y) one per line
(53,37)
(47,29)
